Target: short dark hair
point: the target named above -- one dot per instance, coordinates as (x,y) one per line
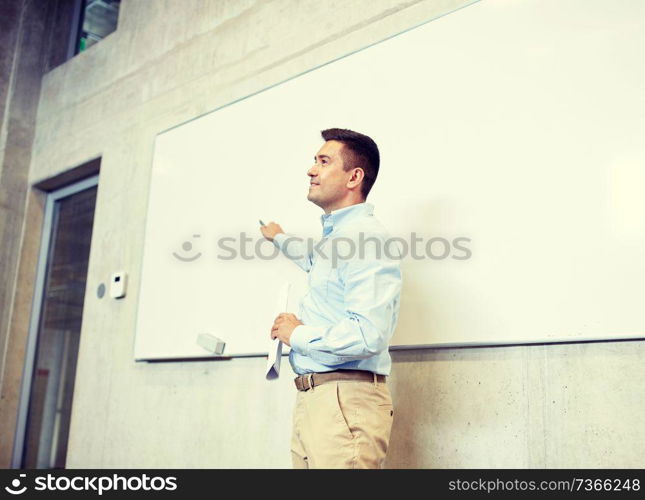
(359,151)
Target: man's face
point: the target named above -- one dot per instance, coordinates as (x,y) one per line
(328,180)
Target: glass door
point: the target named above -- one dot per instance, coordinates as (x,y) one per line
(52,352)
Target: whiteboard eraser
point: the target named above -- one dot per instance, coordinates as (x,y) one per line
(211,343)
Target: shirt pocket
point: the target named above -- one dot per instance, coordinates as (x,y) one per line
(335,286)
(319,276)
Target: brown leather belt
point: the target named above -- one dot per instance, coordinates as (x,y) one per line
(309,380)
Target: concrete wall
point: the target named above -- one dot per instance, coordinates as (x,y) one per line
(31,35)
(572,405)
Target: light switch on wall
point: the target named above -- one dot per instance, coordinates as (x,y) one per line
(118,284)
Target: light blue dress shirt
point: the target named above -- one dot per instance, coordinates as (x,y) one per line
(352,304)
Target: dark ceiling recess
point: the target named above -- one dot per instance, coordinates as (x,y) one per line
(100,18)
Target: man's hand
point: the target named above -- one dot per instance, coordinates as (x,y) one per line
(284,325)
(270,230)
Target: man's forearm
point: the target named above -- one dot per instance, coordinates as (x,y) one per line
(349,340)
(294,248)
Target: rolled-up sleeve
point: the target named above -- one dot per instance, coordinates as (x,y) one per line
(372,289)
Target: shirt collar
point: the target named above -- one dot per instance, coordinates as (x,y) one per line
(341,216)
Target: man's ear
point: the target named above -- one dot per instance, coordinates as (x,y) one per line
(358,174)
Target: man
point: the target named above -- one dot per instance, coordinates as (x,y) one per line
(339,343)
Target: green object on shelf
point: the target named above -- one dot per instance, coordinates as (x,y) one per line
(82,44)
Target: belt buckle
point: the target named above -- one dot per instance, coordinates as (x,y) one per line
(305,382)
(302,380)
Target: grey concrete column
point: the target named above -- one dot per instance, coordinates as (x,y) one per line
(32,41)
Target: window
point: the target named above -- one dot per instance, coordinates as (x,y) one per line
(98,19)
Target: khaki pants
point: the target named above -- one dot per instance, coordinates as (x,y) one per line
(342,424)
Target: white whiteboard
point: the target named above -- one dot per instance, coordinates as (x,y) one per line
(517,124)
